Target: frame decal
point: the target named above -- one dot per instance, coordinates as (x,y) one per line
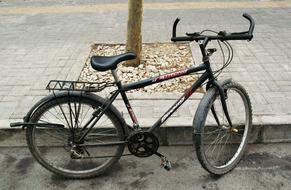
(169,75)
(173,109)
(132,115)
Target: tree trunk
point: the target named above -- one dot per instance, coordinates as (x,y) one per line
(134,38)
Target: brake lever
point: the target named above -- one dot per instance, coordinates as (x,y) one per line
(222,33)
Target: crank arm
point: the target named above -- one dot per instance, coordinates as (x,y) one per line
(165,163)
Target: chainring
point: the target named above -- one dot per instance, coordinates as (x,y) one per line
(143,144)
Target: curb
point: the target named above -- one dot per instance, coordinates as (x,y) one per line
(171,136)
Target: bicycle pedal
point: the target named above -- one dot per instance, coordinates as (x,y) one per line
(166,164)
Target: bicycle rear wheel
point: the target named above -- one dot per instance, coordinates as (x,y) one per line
(219,147)
(59,150)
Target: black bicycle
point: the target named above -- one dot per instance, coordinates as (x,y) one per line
(78,134)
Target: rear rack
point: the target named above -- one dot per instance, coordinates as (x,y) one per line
(78,86)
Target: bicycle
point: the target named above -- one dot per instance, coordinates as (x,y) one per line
(63,136)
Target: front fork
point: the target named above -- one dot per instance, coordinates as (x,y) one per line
(214,83)
(223,96)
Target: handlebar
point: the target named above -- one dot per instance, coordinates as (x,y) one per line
(222,35)
(252,24)
(175,27)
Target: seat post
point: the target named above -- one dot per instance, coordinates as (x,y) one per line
(125,99)
(115,76)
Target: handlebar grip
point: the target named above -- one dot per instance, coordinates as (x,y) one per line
(252,24)
(181,39)
(175,27)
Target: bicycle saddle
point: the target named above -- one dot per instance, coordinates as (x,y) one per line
(104,63)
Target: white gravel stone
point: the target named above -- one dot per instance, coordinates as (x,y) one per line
(158,59)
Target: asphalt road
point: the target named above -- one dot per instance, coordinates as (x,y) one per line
(263,167)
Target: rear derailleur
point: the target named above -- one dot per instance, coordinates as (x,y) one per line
(77,151)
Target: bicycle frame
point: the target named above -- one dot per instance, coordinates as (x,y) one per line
(158,79)
(122,89)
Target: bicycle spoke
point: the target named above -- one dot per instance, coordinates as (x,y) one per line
(215,140)
(56,116)
(77,110)
(84,115)
(64,115)
(212,133)
(222,147)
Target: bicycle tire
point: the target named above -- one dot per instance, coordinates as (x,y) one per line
(205,129)
(51,149)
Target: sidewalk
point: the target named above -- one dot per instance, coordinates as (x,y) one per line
(43,40)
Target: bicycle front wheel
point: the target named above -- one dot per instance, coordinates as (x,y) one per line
(60,150)
(220,147)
